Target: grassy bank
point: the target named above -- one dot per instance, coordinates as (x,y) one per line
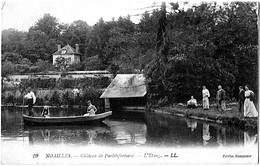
(230,117)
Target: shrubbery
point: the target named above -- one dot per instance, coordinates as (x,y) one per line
(64,83)
(57,93)
(95,82)
(37,83)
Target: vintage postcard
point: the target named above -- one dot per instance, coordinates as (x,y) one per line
(104,82)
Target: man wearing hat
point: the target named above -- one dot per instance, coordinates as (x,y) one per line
(91,110)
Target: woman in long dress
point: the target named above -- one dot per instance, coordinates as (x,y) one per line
(205,98)
(249,107)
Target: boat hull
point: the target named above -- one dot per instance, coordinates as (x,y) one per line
(28,120)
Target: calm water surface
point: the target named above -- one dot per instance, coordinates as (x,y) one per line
(129,130)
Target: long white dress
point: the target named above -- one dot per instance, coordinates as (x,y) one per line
(249,107)
(205,98)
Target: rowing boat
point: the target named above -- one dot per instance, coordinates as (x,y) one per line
(29,120)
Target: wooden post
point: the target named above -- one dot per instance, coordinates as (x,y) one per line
(258,26)
(107,104)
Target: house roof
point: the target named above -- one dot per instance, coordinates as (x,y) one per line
(69,51)
(126,86)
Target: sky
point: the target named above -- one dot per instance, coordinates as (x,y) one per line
(22,14)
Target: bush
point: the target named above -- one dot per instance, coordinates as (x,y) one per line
(96,82)
(10,99)
(55,99)
(48,91)
(93,95)
(67,98)
(37,83)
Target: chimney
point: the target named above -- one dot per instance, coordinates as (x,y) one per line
(59,47)
(77,48)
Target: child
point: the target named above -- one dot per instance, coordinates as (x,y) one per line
(46,111)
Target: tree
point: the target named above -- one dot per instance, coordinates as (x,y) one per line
(156,71)
(98,39)
(76,33)
(42,39)
(48,25)
(7,68)
(62,64)
(12,57)
(209,45)
(12,41)
(43,66)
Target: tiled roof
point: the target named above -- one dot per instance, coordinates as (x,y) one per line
(69,51)
(125,86)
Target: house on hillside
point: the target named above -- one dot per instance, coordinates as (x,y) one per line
(68,52)
(127,92)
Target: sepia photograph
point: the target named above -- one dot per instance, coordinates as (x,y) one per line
(140,82)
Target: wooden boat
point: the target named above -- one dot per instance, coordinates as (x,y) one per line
(29,120)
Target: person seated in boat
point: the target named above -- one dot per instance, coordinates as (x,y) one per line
(46,112)
(192,103)
(91,110)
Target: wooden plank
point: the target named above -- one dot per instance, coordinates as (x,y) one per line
(134,107)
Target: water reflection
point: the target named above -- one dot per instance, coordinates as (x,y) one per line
(152,130)
(192,124)
(80,135)
(128,132)
(250,138)
(221,136)
(205,134)
(168,130)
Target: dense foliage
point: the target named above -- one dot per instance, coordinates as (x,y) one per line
(208,45)
(50,91)
(180,49)
(64,83)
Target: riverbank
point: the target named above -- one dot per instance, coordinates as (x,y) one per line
(230,117)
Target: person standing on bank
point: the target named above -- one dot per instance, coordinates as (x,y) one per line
(249,107)
(221,94)
(205,98)
(241,99)
(31,99)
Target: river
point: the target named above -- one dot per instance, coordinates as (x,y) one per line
(133,129)
(130,130)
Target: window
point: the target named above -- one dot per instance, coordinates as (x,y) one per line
(63,51)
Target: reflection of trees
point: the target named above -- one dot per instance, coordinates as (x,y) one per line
(105,138)
(70,135)
(163,129)
(11,121)
(130,133)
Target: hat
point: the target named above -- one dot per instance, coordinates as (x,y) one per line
(89,102)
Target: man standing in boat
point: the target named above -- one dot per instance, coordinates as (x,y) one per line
(31,99)
(91,110)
